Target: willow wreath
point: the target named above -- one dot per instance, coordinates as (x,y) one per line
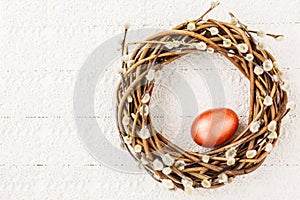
(268,104)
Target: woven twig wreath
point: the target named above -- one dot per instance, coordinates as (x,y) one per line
(165,161)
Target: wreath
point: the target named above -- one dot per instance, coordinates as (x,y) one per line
(268,103)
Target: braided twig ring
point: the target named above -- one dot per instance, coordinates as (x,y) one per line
(165,161)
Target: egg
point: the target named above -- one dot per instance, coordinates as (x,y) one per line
(214,127)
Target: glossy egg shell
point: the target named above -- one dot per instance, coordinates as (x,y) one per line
(214,127)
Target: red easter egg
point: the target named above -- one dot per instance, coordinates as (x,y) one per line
(214,127)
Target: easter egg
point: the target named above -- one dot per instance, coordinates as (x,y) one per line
(214,127)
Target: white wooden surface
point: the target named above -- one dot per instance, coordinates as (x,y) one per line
(44,44)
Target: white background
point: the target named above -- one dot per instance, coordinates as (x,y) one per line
(44,44)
